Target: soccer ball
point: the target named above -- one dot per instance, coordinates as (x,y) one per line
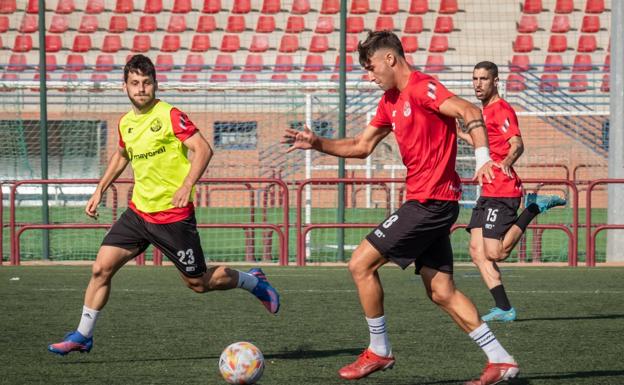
(241,363)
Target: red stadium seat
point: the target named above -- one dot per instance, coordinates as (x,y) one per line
(349,63)
(235,24)
(29,24)
(554,63)
(248,78)
(330,7)
(200,43)
(560,24)
(389,7)
(94,7)
(527,24)
(224,63)
(295,24)
(578,83)
(4,24)
(314,63)
(270,7)
(259,43)
(413,24)
(194,63)
(88,24)
(607,63)
(443,24)
(359,7)
(419,7)
(53,43)
(438,43)
(58,24)
(253,63)
(170,43)
(266,24)
(410,43)
(17,62)
(564,6)
(153,6)
(435,63)
(557,43)
(95,77)
(605,85)
(147,23)
(104,63)
(111,43)
(532,6)
(191,78)
(161,78)
(523,43)
(587,43)
(582,63)
(206,24)
(177,23)
(594,6)
(384,23)
(309,77)
(182,6)
(10,76)
(319,44)
(519,63)
(33,6)
(300,7)
(591,24)
(75,63)
(283,63)
(241,6)
(352,42)
(22,43)
(51,63)
(124,6)
(324,24)
(141,43)
(65,7)
(82,43)
(230,43)
(549,83)
(289,43)
(164,63)
(69,77)
(355,24)
(8,6)
(211,6)
(448,7)
(218,78)
(515,83)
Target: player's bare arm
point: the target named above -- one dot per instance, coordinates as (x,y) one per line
(515,150)
(359,146)
(474,126)
(464,135)
(118,162)
(202,153)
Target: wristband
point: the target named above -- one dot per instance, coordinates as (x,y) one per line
(482,155)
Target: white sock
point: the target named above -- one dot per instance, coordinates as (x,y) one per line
(87,321)
(486,340)
(246,281)
(379,342)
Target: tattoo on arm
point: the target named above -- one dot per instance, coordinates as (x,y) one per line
(472,125)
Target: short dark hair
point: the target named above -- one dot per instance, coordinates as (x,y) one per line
(377,40)
(491,68)
(140,64)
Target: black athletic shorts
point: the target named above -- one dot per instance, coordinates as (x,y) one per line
(179,241)
(494,215)
(419,233)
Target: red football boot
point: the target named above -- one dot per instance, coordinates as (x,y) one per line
(495,373)
(366,363)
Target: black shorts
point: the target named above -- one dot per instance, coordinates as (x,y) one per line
(179,241)
(494,215)
(419,233)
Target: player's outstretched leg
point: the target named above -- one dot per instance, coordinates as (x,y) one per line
(72,342)
(265,292)
(544,202)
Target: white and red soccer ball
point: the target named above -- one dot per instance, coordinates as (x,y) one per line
(241,363)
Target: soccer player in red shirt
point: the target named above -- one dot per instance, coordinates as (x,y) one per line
(421,113)
(494,227)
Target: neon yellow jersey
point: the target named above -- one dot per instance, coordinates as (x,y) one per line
(153,141)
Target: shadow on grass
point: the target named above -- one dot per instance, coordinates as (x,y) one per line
(153,359)
(575,318)
(303,353)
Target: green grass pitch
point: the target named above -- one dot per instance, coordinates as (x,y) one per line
(156,331)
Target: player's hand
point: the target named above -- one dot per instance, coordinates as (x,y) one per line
(181,196)
(485,172)
(506,168)
(92,204)
(303,140)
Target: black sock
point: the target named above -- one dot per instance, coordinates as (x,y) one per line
(527,216)
(500,297)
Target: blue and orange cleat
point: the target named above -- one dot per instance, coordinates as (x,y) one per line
(500,315)
(73,342)
(544,202)
(265,292)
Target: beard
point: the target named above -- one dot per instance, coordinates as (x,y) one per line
(141,105)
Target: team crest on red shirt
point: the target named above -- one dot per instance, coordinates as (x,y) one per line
(407,110)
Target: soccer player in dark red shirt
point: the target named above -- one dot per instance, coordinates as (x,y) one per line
(494,227)
(421,113)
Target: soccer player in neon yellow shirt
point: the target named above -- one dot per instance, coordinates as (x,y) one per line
(154,137)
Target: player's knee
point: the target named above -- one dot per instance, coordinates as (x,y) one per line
(101,272)
(495,255)
(476,254)
(441,297)
(356,268)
